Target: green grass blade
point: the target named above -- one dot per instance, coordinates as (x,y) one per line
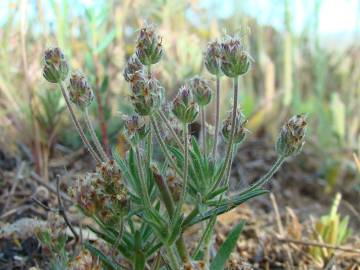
(227,247)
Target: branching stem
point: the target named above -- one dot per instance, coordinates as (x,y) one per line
(93,136)
(163,147)
(173,133)
(142,178)
(78,126)
(263,180)
(232,133)
(186,167)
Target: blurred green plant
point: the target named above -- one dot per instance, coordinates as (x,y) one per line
(330,229)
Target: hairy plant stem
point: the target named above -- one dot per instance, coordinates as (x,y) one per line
(78,126)
(228,169)
(168,200)
(186,167)
(227,165)
(203,128)
(172,258)
(149,138)
(217,117)
(163,146)
(206,235)
(149,71)
(118,238)
(149,146)
(93,135)
(232,133)
(142,178)
(264,179)
(168,125)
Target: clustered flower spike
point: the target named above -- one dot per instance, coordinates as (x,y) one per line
(240,130)
(133,68)
(102,193)
(183,106)
(56,67)
(201,90)
(147,95)
(136,128)
(292,136)
(235,60)
(213,58)
(80,90)
(149,48)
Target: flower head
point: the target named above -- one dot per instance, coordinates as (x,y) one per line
(201,90)
(56,67)
(132,68)
(235,60)
(240,130)
(80,90)
(292,136)
(102,193)
(183,106)
(136,128)
(212,57)
(149,48)
(147,95)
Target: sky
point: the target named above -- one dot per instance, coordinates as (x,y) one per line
(336,16)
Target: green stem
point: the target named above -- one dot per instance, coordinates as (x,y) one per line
(118,238)
(163,147)
(142,179)
(228,169)
(205,238)
(232,133)
(78,126)
(172,258)
(263,180)
(149,71)
(93,136)
(168,125)
(191,215)
(170,207)
(227,165)
(149,146)
(203,128)
(217,117)
(186,167)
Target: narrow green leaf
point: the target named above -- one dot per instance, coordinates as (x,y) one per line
(124,251)
(105,41)
(227,247)
(216,192)
(135,185)
(139,260)
(196,147)
(175,230)
(153,249)
(226,206)
(103,258)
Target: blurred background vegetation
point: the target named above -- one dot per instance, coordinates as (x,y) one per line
(298,68)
